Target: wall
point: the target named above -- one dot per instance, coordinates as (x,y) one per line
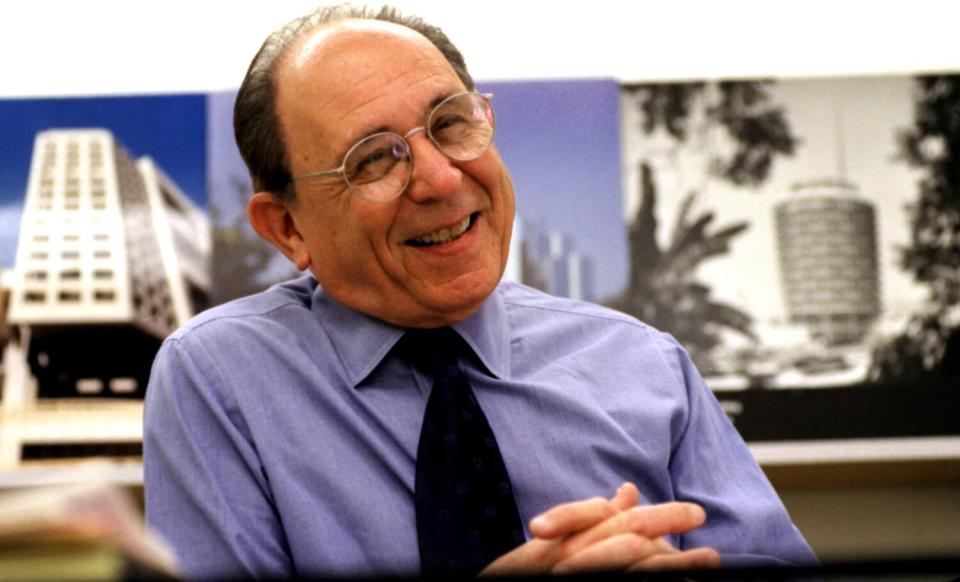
(54,47)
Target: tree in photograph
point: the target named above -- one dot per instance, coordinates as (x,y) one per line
(733,126)
(242,263)
(736,131)
(662,289)
(929,349)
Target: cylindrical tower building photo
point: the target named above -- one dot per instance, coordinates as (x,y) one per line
(827,247)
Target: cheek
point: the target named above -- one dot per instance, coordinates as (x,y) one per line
(364,234)
(496,181)
(336,259)
(323,241)
(506,194)
(326,230)
(493,176)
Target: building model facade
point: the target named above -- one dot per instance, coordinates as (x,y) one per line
(112,256)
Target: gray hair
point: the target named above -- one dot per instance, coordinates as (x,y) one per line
(256,126)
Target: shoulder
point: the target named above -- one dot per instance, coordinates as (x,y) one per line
(252,328)
(237,340)
(271,304)
(525,303)
(533,313)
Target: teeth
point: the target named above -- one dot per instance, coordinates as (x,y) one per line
(444,234)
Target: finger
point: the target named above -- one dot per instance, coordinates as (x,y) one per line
(650,521)
(614,553)
(626,497)
(665,546)
(696,559)
(571,517)
(654,521)
(529,559)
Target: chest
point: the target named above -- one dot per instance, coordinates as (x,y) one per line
(341,459)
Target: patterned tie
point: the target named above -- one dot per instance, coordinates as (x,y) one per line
(466,514)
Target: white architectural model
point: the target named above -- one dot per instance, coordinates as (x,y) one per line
(112,257)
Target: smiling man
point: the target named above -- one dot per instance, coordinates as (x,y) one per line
(398,410)
(427,258)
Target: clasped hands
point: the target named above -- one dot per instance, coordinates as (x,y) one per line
(613,534)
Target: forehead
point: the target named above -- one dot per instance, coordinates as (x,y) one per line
(336,41)
(350,72)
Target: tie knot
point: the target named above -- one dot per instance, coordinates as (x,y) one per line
(432,349)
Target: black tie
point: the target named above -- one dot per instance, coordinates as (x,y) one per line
(466,514)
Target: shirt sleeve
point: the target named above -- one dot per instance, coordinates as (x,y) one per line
(205,490)
(712,466)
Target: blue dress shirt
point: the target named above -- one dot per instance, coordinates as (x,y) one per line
(281,432)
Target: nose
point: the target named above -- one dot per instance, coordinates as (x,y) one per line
(434,176)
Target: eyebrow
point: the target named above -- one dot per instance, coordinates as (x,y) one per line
(384,129)
(440,98)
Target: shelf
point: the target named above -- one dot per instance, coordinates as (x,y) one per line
(125,474)
(881,462)
(933,461)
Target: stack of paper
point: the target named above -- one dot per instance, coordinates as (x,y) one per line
(89,531)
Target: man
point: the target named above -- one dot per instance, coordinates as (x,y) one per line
(283,430)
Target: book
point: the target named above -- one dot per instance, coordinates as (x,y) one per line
(88,531)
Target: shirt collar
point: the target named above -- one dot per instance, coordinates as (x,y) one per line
(362,341)
(486,331)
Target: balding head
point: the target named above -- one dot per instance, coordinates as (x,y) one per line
(257,128)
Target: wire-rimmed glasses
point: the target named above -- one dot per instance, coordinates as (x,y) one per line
(377,168)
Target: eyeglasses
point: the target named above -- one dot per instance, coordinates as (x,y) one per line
(378,167)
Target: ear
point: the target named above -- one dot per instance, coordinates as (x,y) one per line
(273,220)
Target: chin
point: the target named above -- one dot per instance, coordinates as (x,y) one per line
(455,305)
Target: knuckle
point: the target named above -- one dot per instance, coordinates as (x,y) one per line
(556,553)
(601,506)
(711,559)
(637,546)
(702,561)
(565,551)
(633,520)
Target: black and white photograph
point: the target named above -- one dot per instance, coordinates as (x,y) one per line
(800,235)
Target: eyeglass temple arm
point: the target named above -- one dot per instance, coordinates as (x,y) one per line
(334,172)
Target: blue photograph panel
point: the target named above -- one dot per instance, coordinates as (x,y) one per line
(560,141)
(104,248)
(170,129)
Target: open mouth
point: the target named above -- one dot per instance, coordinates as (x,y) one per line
(445,234)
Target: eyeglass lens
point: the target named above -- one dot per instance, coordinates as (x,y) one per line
(378,167)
